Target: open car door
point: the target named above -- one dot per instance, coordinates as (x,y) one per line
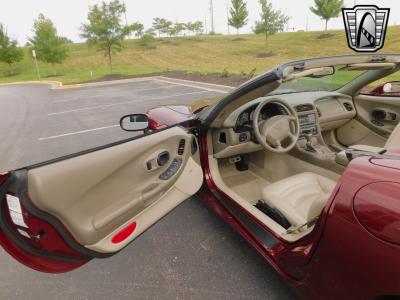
(58,215)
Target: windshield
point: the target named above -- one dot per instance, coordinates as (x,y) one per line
(329,83)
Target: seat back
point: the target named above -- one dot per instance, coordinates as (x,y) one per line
(394,140)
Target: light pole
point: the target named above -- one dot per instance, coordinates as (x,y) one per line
(212,15)
(126,19)
(227,16)
(307,23)
(36,63)
(287,14)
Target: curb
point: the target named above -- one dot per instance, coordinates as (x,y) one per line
(54,84)
(196,84)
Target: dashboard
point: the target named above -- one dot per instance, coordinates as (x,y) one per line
(318,112)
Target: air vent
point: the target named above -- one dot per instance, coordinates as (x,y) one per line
(181,147)
(304,107)
(348,106)
(222,137)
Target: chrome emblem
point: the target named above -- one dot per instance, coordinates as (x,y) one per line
(366,27)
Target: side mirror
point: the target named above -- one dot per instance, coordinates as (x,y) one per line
(135,122)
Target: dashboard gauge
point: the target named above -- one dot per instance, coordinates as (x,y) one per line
(263,116)
(243,119)
(252,115)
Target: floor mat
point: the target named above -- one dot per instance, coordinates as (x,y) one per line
(248,185)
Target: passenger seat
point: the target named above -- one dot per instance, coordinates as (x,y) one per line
(393,142)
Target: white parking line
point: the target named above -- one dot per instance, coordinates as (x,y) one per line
(198,85)
(117,92)
(74,133)
(125,102)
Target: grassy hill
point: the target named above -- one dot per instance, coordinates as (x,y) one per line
(205,54)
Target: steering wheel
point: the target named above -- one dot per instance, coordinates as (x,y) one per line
(280,133)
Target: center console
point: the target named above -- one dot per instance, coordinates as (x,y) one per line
(310,141)
(311,145)
(308,124)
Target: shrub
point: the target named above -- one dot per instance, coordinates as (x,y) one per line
(146,40)
(225,73)
(252,73)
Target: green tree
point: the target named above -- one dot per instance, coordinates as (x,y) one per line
(9,51)
(50,47)
(327,9)
(160,24)
(188,27)
(198,27)
(138,29)
(271,22)
(150,31)
(105,29)
(167,28)
(179,28)
(239,14)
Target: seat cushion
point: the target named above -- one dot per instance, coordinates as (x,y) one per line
(300,198)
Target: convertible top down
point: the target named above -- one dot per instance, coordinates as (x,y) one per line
(303,161)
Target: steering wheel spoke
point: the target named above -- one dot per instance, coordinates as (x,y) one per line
(278,145)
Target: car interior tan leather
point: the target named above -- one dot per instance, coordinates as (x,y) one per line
(265,168)
(368,104)
(299,183)
(355,133)
(366,129)
(393,141)
(341,157)
(95,195)
(300,198)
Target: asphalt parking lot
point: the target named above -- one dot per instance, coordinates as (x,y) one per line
(190,254)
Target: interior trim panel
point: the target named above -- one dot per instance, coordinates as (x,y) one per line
(97,194)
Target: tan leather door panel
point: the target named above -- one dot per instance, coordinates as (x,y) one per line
(97,194)
(367,129)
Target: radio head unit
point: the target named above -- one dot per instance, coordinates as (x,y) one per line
(308,124)
(309,119)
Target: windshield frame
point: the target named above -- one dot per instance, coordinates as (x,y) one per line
(337,88)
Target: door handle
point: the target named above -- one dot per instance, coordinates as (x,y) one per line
(157,160)
(163,158)
(383,115)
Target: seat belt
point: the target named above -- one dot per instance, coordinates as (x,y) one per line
(297,228)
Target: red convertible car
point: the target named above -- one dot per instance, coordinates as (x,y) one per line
(302,161)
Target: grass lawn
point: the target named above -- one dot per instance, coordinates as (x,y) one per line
(204,54)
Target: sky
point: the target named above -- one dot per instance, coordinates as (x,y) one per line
(68,15)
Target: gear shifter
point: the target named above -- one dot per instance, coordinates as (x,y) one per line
(309,144)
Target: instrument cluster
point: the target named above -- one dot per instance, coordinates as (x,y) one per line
(245,120)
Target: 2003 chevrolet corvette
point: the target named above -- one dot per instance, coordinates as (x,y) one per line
(302,161)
